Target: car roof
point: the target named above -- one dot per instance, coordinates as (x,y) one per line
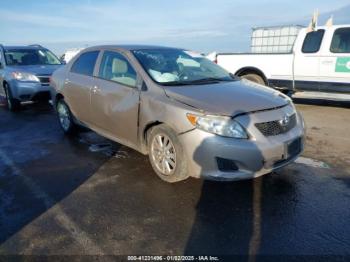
(131,47)
(27,47)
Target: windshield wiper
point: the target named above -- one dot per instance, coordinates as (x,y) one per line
(206,80)
(176,83)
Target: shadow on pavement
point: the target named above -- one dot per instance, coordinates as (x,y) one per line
(322,102)
(39,166)
(230,216)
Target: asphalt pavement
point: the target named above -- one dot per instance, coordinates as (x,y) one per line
(86,195)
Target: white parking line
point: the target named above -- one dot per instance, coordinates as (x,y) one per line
(79,235)
(311,162)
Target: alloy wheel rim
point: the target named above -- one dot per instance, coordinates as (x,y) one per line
(163,154)
(63,115)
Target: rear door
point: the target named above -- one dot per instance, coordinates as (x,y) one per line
(78,83)
(307,61)
(335,61)
(115,98)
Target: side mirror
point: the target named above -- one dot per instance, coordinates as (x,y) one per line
(144,86)
(63,62)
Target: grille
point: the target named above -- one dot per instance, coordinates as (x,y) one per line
(44,80)
(274,128)
(226,165)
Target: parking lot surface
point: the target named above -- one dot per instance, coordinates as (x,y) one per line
(87,195)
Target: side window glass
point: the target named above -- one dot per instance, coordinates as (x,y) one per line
(85,64)
(312,41)
(341,41)
(115,67)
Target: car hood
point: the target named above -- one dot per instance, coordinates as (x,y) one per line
(36,69)
(228,98)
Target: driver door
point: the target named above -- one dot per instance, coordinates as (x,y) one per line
(115,98)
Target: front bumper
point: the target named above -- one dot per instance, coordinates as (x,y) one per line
(30,91)
(252,157)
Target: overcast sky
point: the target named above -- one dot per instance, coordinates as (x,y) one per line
(203,25)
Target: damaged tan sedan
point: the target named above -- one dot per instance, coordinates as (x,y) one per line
(189,115)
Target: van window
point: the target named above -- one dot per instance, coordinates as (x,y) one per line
(312,41)
(85,64)
(115,67)
(341,41)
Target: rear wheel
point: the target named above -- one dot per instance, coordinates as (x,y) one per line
(65,117)
(12,103)
(259,80)
(166,154)
(287,92)
(254,78)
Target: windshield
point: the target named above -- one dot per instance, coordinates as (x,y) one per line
(180,67)
(22,57)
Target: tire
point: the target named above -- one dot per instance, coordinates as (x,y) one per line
(166,154)
(65,118)
(288,93)
(254,78)
(12,104)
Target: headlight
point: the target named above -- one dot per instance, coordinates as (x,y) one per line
(301,119)
(22,76)
(222,126)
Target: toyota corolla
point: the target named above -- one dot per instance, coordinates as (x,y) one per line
(189,115)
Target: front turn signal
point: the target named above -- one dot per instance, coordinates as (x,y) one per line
(192,118)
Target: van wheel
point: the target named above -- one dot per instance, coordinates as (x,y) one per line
(166,154)
(254,78)
(12,103)
(288,93)
(65,118)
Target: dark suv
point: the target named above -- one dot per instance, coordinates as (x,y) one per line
(25,73)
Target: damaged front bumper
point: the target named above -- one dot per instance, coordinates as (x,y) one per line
(222,158)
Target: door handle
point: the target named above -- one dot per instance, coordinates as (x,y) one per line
(95,89)
(327,62)
(66,81)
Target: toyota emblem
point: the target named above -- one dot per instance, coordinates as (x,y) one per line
(284,121)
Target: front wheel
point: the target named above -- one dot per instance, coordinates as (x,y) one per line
(166,154)
(254,78)
(65,118)
(12,103)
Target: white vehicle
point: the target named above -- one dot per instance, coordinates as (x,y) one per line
(70,53)
(302,60)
